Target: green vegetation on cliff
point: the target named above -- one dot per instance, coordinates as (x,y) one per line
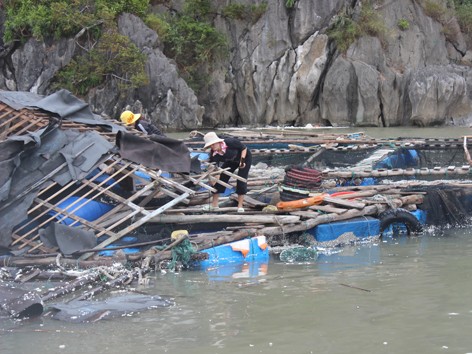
(114,57)
(104,54)
(193,42)
(346,30)
(189,37)
(347,27)
(62,18)
(464,14)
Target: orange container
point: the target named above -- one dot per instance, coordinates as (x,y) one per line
(301,203)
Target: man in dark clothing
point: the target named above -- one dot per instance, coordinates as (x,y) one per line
(140,123)
(233,154)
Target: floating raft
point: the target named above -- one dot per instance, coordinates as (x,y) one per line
(395,172)
(128,210)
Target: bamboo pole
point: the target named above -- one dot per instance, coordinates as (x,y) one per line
(71,286)
(215,218)
(466,151)
(208,242)
(396,172)
(412,143)
(321,219)
(17,261)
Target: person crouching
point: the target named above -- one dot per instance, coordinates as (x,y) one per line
(140,123)
(233,155)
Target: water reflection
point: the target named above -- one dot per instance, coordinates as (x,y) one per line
(350,256)
(245,270)
(418,300)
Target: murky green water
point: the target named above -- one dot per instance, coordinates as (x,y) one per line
(405,295)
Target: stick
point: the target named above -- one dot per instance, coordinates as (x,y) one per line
(355,287)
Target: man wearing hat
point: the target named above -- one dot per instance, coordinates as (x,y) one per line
(130,118)
(233,154)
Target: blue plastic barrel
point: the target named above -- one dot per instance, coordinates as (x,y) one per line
(123,241)
(90,211)
(103,177)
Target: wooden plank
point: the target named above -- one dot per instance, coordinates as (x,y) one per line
(141,221)
(199,182)
(345,203)
(249,201)
(199,209)
(365,193)
(328,209)
(218,218)
(305,214)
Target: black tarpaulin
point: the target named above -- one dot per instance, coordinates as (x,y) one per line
(19,99)
(59,156)
(10,158)
(62,103)
(69,239)
(160,152)
(92,311)
(19,303)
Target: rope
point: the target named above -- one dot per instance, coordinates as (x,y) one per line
(104,271)
(130,277)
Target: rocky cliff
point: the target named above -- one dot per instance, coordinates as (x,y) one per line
(286,69)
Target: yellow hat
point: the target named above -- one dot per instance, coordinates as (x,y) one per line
(129,117)
(175,235)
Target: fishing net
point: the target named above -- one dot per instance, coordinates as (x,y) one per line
(339,158)
(390,157)
(446,205)
(278,160)
(422,158)
(298,254)
(182,253)
(432,157)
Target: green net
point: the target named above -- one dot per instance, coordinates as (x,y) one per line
(298,254)
(182,253)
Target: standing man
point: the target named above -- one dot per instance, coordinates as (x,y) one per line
(233,154)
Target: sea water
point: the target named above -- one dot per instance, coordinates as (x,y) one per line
(397,295)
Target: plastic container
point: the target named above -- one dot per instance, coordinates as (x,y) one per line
(87,209)
(250,249)
(240,270)
(123,241)
(362,227)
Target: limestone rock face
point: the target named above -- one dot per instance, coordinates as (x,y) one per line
(308,17)
(436,94)
(35,64)
(167,100)
(285,71)
(282,69)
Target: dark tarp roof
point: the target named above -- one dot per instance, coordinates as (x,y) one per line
(92,311)
(62,103)
(29,163)
(19,99)
(68,239)
(160,152)
(19,303)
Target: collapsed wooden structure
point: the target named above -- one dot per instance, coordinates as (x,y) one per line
(154,199)
(132,212)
